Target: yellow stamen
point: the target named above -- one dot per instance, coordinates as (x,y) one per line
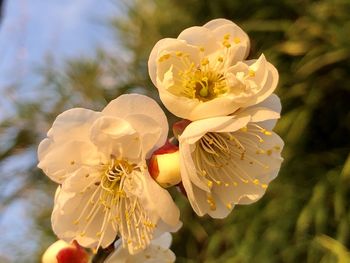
(237,40)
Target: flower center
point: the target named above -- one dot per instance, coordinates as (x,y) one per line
(113,200)
(202,82)
(111,180)
(205,81)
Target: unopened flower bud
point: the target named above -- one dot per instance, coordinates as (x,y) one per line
(164,165)
(179,127)
(62,252)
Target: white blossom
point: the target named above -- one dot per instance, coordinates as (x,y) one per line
(203,74)
(230,160)
(99,158)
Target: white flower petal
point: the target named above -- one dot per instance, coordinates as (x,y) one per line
(81,179)
(195,130)
(250,78)
(135,104)
(158,199)
(73,124)
(200,37)
(116,137)
(188,170)
(259,67)
(163,241)
(215,23)
(266,112)
(44,147)
(157,252)
(238,38)
(166,44)
(270,84)
(259,114)
(217,107)
(150,132)
(68,226)
(58,160)
(272,102)
(180,107)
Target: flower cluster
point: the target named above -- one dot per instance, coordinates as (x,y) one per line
(113,166)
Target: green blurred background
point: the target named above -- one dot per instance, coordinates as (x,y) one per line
(305,215)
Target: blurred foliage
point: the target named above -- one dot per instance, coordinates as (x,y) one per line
(305,215)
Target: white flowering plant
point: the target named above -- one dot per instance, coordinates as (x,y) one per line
(113,167)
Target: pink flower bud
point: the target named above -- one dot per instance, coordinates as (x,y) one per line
(62,252)
(164,165)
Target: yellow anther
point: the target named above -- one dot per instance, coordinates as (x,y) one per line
(98,234)
(264,186)
(211,203)
(205,61)
(227,36)
(235,184)
(164,57)
(229,206)
(220,59)
(269,152)
(72,162)
(236,40)
(218,182)
(251,73)
(244,129)
(201,49)
(226,44)
(226,184)
(210,184)
(76,222)
(277,148)
(256,181)
(267,133)
(82,234)
(179,53)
